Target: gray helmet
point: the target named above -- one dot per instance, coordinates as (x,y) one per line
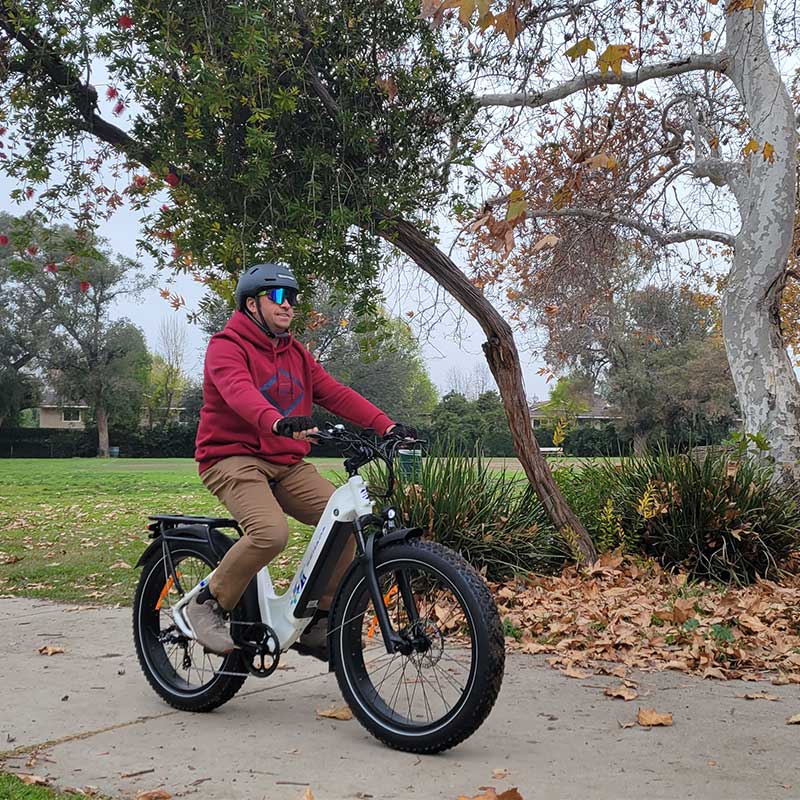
(263,276)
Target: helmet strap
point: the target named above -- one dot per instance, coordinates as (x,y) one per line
(262,323)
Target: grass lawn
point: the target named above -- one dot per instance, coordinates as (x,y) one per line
(12,788)
(73,529)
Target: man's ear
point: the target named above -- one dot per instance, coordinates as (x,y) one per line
(250,302)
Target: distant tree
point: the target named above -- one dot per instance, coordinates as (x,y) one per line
(166,379)
(385,365)
(72,282)
(569,397)
(469,423)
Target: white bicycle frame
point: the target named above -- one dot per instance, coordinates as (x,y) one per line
(349,502)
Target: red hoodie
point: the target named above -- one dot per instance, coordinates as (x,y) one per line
(251,381)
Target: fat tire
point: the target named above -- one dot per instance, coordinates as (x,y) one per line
(222,687)
(488,633)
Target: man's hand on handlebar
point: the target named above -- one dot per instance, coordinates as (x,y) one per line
(300,428)
(400,431)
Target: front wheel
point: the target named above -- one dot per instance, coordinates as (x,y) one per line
(441,691)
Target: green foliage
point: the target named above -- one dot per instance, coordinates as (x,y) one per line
(569,397)
(466,424)
(715,518)
(273,119)
(587,441)
(12,788)
(487,515)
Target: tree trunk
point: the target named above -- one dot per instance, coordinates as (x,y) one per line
(102,431)
(639,442)
(768,390)
(501,354)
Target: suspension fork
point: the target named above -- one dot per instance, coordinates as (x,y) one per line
(366,550)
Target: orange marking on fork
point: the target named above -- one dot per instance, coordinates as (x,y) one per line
(165,591)
(386,598)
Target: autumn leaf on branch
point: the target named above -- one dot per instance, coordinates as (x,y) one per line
(750,147)
(612,58)
(517,205)
(580,49)
(508,23)
(550,240)
(601,161)
(768,152)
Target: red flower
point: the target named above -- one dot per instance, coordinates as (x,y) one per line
(173,180)
(51,267)
(119,107)
(140,181)
(111,93)
(125,21)
(165,208)
(29,193)
(33,250)
(3,240)
(84,286)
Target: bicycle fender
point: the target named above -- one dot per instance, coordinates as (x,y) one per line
(398,535)
(221,542)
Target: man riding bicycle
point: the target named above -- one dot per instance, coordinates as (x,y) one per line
(259,384)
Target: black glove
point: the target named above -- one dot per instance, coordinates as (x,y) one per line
(401,431)
(288,426)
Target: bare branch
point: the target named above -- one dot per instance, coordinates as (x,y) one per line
(662,237)
(693,63)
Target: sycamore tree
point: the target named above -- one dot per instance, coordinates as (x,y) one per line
(657,131)
(308,131)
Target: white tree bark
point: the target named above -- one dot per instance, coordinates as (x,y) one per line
(768,391)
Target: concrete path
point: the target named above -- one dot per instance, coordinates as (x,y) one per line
(90,719)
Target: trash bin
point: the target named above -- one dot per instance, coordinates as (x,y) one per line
(113,452)
(409,463)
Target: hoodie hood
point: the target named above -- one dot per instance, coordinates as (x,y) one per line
(242,326)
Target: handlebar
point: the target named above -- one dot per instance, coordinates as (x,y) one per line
(362,449)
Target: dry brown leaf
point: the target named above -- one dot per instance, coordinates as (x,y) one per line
(308,794)
(154,794)
(50,650)
(715,672)
(650,718)
(34,780)
(499,774)
(551,240)
(623,692)
(758,696)
(626,724)
(342,713)
(572,671)
(510,794)
(794,720)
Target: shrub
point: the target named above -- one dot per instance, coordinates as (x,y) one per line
(718,519)
(487,515)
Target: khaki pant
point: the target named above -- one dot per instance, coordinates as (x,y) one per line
(241,483)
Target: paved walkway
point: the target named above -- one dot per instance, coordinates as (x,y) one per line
(91,719)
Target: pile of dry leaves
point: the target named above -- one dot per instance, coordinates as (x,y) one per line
(634,613)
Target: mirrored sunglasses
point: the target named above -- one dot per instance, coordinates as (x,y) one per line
(280,294)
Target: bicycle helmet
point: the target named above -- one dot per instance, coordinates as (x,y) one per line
(263,276)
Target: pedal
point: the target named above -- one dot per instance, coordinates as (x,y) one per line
(259,645)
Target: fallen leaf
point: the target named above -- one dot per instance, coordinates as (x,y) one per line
(308,794)
(342,713)
(715,672)
(34,780)
(795,720)
(50,650)
(10,559)
(626,724)
(758,696)
(711,763)
(154,794)
(623,692)
(120,565)
(499,774)
(649,718)
(572,671)
(510,794)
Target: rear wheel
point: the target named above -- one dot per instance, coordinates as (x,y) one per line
(179,669)
(442,689)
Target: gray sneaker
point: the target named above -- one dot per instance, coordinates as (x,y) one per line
(314,639)
(209,626)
